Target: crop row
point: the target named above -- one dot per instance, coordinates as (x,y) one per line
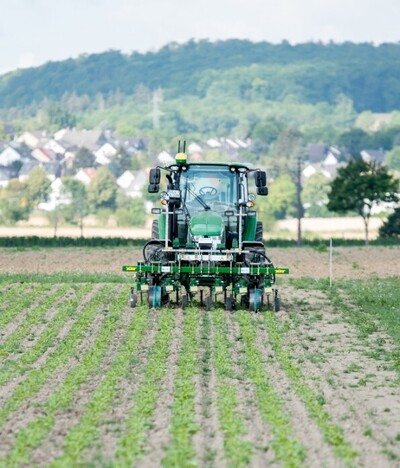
(87,431)
(66,349)
(238,451)
(67,310)
(36,431)
(23,299)
(333,434)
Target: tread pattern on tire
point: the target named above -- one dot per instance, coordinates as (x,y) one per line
(154,229)
(259,231)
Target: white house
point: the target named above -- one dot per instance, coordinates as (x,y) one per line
(8,156)
(86,175)
(43,155)
(132,183)
(55,146)
(330,160)
(56,197)
(105,153)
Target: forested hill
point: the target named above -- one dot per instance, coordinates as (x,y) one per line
(312,72)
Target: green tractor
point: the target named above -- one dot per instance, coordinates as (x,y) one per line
(207,242)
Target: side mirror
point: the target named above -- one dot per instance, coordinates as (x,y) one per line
(153,188)
(155,210)
(261,179)
(262,191)
(155,176)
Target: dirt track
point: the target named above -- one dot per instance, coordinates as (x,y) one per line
(348,262)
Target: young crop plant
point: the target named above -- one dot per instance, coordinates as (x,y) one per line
(238,452)
(23,299)
(333,434)
(287,448)
(34,317)
(38,377)
(84,434)
(180,451)
(131,445)
(46,339)
(30,437)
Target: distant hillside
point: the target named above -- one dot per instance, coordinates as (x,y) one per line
(311,72)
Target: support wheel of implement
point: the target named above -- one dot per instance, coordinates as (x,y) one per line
(208,302)
(255,299)
(184,301)
(132,300)
(154,296)
(229,303)
(276,304)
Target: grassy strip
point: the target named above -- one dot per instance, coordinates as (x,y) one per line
(63,277)
(288,450)
(38,377)
(180,451)
(36,242)
(333,434)
(30,437)
(12,343)
(46,339)
(238,452)
(86,431)
(380,299)
(23,299)
(131,446)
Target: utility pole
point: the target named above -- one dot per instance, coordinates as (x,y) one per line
(156,112)
(298,198)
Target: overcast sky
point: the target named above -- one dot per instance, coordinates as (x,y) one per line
(35,31)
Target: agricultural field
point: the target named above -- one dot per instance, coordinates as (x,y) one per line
(86,380)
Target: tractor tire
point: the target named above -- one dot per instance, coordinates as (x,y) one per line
(132,300)
(184,301)
(208,302)
(276,305)
(154,230)
(229,303)
(259,232)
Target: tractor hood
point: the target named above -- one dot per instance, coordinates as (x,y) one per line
(206,223)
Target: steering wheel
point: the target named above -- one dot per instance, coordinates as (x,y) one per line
(208,190)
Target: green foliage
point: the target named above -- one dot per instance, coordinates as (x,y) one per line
(359,186)
(74,212)
(14,203)
(249,71)
(393,159)
(130,211)
(37,186)
(391,227)
(355,140)
(280,203)
(102,191)
(315,194)
(83,158)
(58,117)
(120,163)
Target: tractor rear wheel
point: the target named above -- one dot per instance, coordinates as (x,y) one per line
(154,230)
(259,231)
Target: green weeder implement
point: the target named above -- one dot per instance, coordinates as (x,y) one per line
(207,241)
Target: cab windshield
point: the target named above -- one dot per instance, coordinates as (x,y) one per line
(209,188)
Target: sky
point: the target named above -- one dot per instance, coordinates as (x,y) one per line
(33,32)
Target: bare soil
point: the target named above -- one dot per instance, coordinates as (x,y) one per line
(348,262)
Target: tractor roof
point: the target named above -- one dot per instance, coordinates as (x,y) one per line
(248,166)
